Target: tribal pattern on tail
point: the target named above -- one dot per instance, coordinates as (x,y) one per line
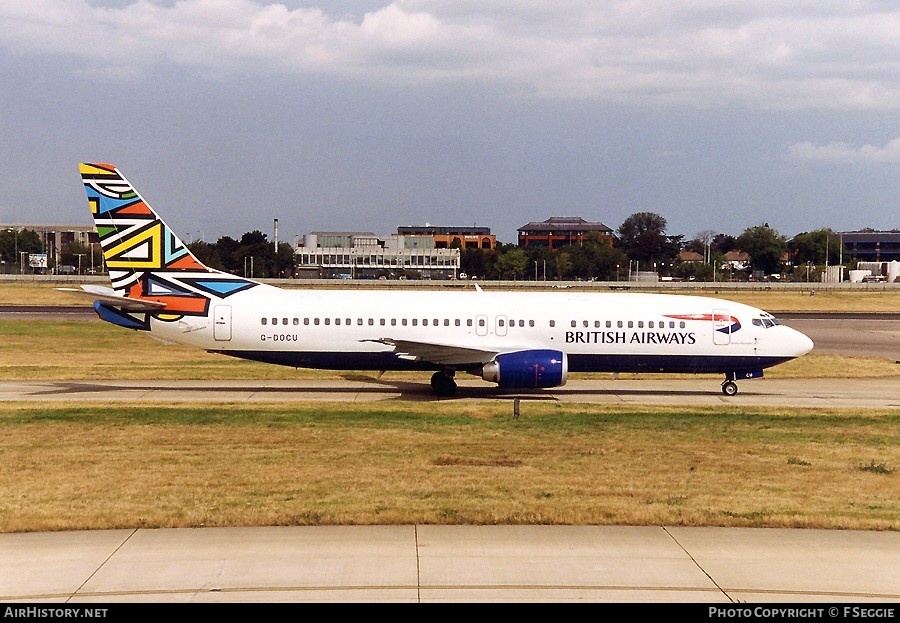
(145,259)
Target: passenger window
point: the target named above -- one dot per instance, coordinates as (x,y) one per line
(552,323)
(456,322)
(306,321)
(681,324)
(585,323)
(316,321)
(481,322)
(284,321)
(264,321)
(630,324)
(424,322)
(371,321)
(274,321)
(619,324)
(500,322)
(403,322)
(359,321)
(415,321)
(296,321)
(447,322)
(574,324)
(531,323)
(328,321)
(597,324)
(468,322)
(609,324)
(337,321)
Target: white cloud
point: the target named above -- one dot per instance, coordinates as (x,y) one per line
(843,152)
(764,54)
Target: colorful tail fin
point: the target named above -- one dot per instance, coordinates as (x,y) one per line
(146,260)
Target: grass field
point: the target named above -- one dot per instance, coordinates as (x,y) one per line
(138,465)
(223,464)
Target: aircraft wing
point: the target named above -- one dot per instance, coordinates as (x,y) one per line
(111,297)
(442,354)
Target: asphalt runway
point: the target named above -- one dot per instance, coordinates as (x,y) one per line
(798,393)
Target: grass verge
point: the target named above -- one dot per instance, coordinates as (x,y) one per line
(100,466)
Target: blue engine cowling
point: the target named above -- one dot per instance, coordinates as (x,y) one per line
(528,368)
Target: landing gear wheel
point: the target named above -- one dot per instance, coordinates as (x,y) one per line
(729,388)
(442,383)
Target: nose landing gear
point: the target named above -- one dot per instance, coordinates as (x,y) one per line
(730,388)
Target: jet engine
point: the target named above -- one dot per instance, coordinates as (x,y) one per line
(527,369)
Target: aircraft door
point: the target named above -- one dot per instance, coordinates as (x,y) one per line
(721,324)
(222,323)
(500,323)
(481,324)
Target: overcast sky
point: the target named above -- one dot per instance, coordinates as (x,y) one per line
(363,115)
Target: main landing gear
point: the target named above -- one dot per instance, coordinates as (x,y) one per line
(442,383)
(729,388)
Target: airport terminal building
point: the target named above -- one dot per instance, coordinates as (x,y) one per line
(363,255)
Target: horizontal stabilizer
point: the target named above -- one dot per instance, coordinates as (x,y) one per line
(111,297)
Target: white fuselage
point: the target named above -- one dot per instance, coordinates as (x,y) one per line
(360,329)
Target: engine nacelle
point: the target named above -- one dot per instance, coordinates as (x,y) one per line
(528,368)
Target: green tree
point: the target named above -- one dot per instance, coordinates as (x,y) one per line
(255,253)
(817,247)
(723,243)
(642,236)
(475,262)
(14,242)
(207,253)
(75,254)
(765,247)
(511,264)
(285,260)
(564,264)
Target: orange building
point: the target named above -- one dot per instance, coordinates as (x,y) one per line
(449,237)
(559,231)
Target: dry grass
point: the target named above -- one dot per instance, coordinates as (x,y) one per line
(444,463)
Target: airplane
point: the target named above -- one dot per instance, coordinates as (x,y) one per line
(517,340)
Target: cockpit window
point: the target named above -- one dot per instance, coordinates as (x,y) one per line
(766,322)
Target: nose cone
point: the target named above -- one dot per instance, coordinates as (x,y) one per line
(797,344)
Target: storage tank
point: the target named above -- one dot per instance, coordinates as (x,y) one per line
(893,271)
